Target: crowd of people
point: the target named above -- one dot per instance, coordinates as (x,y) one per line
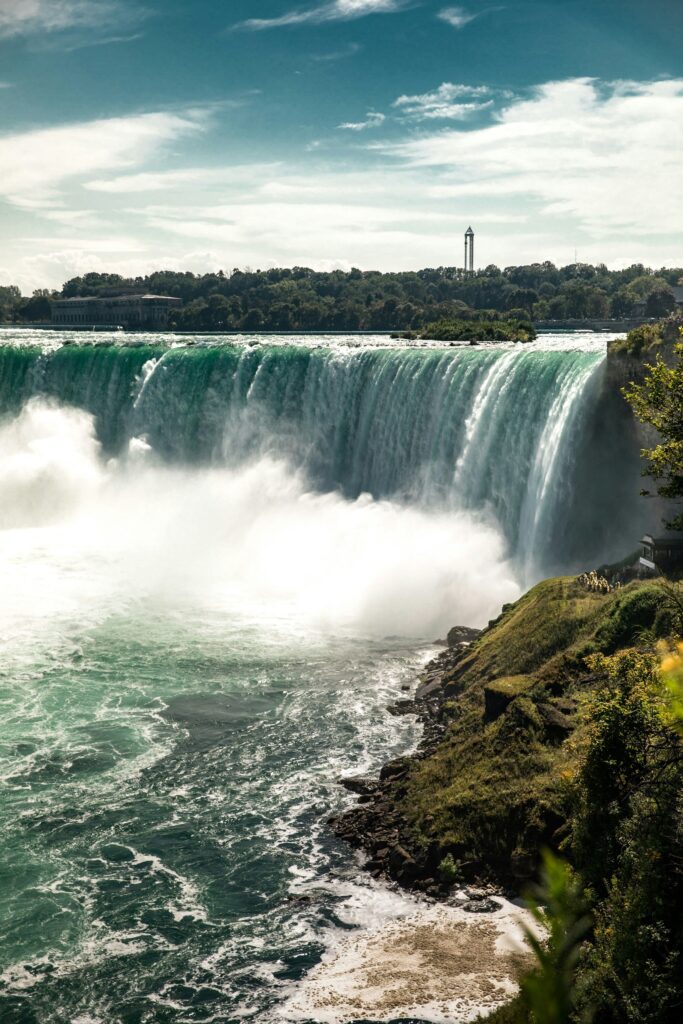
(596,583)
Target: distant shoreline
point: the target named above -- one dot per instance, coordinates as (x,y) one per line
(597,326)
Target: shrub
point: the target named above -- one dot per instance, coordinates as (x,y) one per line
(450,872)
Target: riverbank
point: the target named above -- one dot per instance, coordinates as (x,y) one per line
(484,792)
(377,825)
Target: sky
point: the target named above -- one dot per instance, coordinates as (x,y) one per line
(145,134)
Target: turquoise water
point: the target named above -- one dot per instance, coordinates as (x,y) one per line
(220,564)
(166,780)
(492,429)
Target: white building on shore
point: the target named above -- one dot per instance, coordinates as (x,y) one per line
(115,310)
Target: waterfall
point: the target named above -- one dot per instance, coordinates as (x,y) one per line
(497,431)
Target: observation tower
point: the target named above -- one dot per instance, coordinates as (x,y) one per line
(469,251)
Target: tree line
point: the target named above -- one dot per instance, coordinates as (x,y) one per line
(298,298)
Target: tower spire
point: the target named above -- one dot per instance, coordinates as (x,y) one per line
(469,251)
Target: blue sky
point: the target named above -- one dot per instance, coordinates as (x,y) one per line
(336,133)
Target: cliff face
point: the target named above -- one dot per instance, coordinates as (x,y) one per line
(608,515)
(623,367)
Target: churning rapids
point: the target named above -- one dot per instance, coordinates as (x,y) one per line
(220,563)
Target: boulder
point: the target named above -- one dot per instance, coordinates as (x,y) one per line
(523,866)
(402,707)
(498,695)
(395,769)
(399,857)
(364,785)
(461,634)
(483,906)
(496,701)
(558,725)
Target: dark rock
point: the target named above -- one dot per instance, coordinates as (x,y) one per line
(402,707)
(430,685)
(374,864)
(481,906)
(396,769)
(495,702)
(399,857)
(408,873)
(461,634)
(361,784)
(523,866)
(558,725)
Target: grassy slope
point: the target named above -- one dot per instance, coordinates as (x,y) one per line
(492,792)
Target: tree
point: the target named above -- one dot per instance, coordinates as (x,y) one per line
(37,308)
(558,908)
(627,839)
(10,301)
(300,298)
(521,298)
(658,402)
(660,302)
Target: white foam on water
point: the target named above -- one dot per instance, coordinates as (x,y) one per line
(437,963)
(82,540)
(584,341)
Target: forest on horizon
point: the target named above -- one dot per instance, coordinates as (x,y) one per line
(300,298)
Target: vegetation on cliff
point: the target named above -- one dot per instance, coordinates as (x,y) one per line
(649,339)
(658,402)
(625,845)
(494,790)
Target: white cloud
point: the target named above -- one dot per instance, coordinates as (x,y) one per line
(606,157)
(342,54)
(571,163)
(27,17)
(373,119)
(36,165)
(80,43)
(164,181)
(450,101)
(456,17)
(73,218)
(335,10)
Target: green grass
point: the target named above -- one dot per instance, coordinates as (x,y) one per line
(494,792)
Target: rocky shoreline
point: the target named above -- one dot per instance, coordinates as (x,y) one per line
(376,825)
